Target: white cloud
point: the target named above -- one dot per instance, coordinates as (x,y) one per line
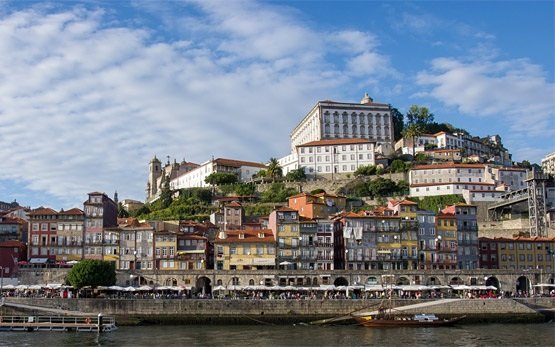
(512,93)
(86,101)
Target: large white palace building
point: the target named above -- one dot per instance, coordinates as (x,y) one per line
(351,131)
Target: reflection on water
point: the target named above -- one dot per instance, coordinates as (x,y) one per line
(271,335)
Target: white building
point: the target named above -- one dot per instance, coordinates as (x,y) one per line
(332,120)
(452,178)
(548,164)
(195,175)
(195,178)
(354,131)
(329,157)
(339,156)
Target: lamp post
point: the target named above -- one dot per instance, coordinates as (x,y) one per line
(1,279)
(438,247)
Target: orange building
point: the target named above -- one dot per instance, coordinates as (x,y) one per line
(316,206)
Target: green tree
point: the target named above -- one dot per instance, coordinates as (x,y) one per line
(203,195)
(296,175)
(412,131)
(278,192)
(92,273)
(419,115)
(274,169)
(122,212)
(398,123)
(435,203)
(220,178)
(382,187)
(165,192)
(143,210)
(365,170)
(398,166)
(244,189)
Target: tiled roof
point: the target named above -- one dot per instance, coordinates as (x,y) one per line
(519,238)
(450,165)
(335,142)
(286,209)
(74,212)
(234,204)
(12,243)
(250,236)
(452,183)
(238,163)
(43,211)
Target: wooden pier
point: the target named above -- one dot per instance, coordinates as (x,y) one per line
(57,323)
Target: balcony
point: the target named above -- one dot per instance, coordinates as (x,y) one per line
(323,244)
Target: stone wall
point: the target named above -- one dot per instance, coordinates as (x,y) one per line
(331,186)
(176,310)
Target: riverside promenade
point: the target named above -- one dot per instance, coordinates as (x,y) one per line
(241,311)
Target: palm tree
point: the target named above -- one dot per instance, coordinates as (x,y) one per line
(274,169)
(413,130)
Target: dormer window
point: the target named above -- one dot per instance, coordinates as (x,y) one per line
(260,235)
(241,236)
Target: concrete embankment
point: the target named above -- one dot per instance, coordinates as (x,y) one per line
(177,311)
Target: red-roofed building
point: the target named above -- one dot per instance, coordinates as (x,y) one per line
(70,235)
(12,229)
(100,212)
(317,206)
(453,178)
(43,235)
(11,252)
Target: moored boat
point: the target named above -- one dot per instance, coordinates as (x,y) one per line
(419,320)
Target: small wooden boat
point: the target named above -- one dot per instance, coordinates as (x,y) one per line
(419,320)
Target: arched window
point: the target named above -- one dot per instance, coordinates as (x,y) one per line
(251,282)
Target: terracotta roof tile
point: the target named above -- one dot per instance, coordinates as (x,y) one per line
(335,142)
(238,163)
(74,212)
(449,165)
(43,211)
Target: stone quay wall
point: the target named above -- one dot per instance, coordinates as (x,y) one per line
(193,311)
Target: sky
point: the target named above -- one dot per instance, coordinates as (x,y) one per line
(91,91)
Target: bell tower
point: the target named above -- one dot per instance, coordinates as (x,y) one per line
(154,172)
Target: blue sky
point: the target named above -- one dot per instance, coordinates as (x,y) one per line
(91,91)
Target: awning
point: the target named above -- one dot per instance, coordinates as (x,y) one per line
(38,261)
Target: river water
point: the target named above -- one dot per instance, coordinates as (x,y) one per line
(299,335)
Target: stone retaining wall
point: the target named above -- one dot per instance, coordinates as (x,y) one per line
(134,311)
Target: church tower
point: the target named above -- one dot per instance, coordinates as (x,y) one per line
(154,173)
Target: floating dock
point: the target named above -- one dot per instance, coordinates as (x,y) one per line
(57,323)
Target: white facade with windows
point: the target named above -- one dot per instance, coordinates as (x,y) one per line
(548,164)
(327,157)
(334,120)
(445,179)
(195,178)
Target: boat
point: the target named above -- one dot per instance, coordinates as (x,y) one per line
(418,320)
(386,317)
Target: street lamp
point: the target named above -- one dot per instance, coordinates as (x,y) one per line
(438,247)
(1,279)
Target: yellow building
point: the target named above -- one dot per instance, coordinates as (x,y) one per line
(522,252)
(406,211)
(445,255)
(245,250)
(165,245)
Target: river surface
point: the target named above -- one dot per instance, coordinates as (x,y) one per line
(271,335)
